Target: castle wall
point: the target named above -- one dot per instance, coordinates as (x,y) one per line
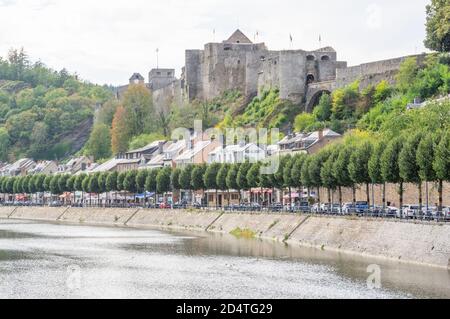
(193,72)
(168,95)
(372,73)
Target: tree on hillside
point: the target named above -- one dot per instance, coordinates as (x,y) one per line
(93,186)
(341,172)
(54,185)
(438,26)
(210,179)
(99,143)
(254,178)
(185,178)
(329,180)
(151,183)
(111,183)
(315,168)
(129,183)
(139,111)
(221,179)
(374,168)
(441,164)
(287,176)
(389,166)
(120,179)
(407,161)
(425,158)
(303,121)
(197,181)
(4,144)
(305,180)
(120,136)
(358,166)
(322,111)
(241,178)
(232,179)
(163,184)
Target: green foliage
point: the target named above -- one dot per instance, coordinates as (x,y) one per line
(210,176)
(99,143)
(438,26)
(304,121)
(129,182)
(231,179)
(322,112)
(425,158)
(141,177)
(221,179)
(163,180)
(111,182)
(241,178)
(175,179)
(145,139)
(267,111)
(185,177)
(358,166)
(254,176)
(407,160)
(40,108)
(197,181)
(441,163)
(390,170)
(151,180)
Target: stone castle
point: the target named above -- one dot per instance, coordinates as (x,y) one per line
(239,64)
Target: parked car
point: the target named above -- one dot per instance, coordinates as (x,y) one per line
(446,213)
(348,208)
(411,211)
(362,207)
(164,206)
(302,207)
(315,208)
(391,211)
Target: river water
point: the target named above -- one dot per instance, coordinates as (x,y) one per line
(42,260)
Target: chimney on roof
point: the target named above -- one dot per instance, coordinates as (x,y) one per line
(320,134)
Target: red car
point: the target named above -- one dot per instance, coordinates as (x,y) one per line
(164,206)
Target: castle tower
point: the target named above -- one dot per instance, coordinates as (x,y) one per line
(238,37)
(137,78)
(160,78)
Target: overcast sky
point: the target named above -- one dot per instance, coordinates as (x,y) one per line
(105,41)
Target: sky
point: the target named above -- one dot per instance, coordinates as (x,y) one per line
(105,41)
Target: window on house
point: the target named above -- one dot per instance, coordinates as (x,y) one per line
(309,78)
(169,73)
(310,58)
(158,73)
(325,58)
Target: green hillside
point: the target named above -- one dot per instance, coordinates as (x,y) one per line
(44,114)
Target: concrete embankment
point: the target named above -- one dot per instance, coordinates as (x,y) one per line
(421,243)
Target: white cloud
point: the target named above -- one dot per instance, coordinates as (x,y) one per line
(105,41)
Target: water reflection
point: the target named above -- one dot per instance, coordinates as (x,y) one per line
(37,260)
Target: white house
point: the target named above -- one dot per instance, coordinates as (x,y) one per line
(237,154)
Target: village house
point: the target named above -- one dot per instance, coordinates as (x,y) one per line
(44,167)
(18,168)
(237,154)
(307,143)
(75,165)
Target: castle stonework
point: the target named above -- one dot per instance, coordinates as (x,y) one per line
(238,64)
